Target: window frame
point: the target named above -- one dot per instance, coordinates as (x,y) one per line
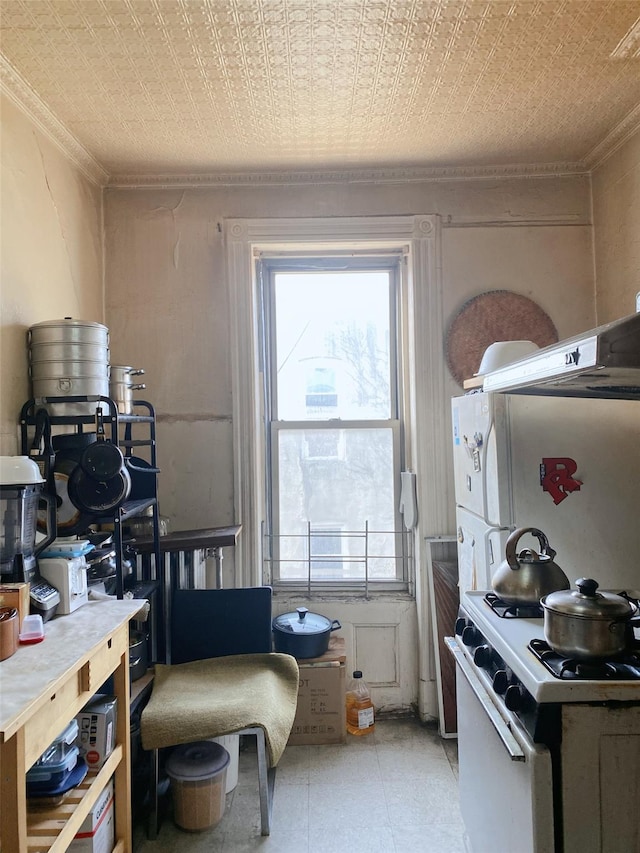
(268,267)
(420,236)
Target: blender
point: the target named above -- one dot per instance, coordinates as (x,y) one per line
(20,493)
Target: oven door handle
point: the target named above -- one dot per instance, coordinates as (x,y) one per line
(502,729)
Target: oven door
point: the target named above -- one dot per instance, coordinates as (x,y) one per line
(505,780)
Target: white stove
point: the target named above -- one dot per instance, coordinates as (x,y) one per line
(509,638)
(547,764)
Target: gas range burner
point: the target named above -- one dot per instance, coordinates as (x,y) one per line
(513,611)
(624,668)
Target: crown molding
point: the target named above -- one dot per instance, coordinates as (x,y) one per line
(623,131)
(16,88)
(411,174)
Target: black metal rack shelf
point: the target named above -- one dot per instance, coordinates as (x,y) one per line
(114,421)
(129,509)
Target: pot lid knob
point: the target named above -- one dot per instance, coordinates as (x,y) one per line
(587,586)
(302,612)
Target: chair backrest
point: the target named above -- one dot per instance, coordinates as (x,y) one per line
(207,623)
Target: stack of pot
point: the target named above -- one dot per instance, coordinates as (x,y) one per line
(69,358)
(121,387)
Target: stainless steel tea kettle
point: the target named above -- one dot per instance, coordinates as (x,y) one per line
(524,578)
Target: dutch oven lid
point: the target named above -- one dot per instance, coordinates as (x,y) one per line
(192,762)
(586,602)
(302,622)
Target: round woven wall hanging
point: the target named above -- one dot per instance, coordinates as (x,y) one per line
(497,315)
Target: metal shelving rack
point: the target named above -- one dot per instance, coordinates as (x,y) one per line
(121,434)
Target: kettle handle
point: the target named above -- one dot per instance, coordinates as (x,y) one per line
(510,548)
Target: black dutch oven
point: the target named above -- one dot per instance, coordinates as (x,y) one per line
(303,634)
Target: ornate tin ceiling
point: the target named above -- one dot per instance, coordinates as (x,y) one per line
(151,87)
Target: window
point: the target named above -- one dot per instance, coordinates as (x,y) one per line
(417,239)
(333,420)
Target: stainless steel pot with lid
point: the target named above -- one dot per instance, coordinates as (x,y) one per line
(69,358)
(585,623)
(121,386)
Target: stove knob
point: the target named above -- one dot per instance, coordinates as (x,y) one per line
(470,636)
(513,697)
(500,682)
(461,624)
(482,656)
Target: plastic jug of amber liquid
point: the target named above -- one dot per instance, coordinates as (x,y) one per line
(360,712)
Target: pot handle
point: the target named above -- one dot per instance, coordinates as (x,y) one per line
(335,625)
(512,541)
(137,470)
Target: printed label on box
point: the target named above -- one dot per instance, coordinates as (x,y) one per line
(97,833)
(320,716)
(96,723)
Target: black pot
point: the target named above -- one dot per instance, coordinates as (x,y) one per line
(70,519)
(71,446)
(303,634)
(95,496)
(137,654)
(143,478)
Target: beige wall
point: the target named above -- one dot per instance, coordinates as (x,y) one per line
(616,215)
(168,303)
(50,252)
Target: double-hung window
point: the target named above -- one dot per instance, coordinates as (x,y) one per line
(333,421)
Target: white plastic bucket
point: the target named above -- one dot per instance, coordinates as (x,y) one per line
(232,744)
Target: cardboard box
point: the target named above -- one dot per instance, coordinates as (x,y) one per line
(97,729)
(16,595)
(321,714)
(97,833)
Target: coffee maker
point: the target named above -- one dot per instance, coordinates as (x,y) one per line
(21,490)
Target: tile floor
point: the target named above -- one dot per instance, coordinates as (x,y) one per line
(394,791)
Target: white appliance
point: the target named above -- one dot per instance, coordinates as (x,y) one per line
(603,362)
(548,754)
(568,466)
(69,577)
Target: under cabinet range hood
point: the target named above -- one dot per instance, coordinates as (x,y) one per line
(604,362)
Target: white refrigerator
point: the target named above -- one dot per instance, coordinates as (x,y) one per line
(568,466)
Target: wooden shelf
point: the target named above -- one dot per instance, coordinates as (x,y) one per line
(43,687)
(140,685)
(54,828)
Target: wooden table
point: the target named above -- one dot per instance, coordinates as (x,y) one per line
(42,687)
